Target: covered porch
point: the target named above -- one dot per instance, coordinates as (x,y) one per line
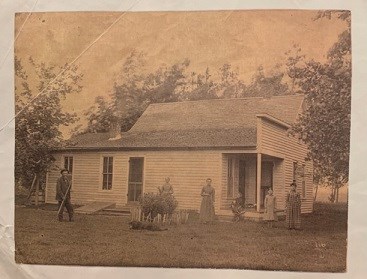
(249,176)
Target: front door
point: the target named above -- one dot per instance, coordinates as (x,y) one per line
(135,188)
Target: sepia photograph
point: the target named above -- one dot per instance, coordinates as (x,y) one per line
(183,139)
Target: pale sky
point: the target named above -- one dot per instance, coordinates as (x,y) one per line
(245,39)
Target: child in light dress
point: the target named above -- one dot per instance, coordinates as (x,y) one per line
(270,208)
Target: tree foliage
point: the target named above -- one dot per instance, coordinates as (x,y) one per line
(325,125)
(266,85)
(199,87)
(39,118)
(135,89)
(230,85)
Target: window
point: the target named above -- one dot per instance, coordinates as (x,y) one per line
(68,164)
(230,178)
(107,173)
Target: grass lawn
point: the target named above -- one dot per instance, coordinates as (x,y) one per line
(107,240)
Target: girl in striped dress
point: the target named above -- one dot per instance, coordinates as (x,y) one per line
(293,208)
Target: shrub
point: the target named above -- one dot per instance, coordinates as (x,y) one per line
(158,204)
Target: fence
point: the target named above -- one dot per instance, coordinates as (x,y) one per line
(177,217)
(41,198)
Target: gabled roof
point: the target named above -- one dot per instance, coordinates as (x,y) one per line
(218,123)
(217,113)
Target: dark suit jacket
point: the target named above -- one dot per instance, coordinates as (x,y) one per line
(62,186)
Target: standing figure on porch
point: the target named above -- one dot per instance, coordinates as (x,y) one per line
(166,188)
(270,207)
(207,212)
(63,192)
(293,208)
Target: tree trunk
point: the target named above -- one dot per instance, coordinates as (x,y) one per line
(315,196)
(337,195)
(332,195)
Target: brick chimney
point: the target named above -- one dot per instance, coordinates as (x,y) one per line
(115,131)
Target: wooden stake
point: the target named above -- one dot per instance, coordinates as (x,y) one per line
(37,190)
(32,186)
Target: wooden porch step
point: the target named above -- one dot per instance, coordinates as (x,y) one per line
(113,213)
(93,207)
(120,209)
(124,210)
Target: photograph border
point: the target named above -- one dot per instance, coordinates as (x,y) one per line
(357,223)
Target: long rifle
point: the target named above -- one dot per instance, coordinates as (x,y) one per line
(64,199)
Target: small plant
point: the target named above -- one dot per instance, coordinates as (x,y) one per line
(154,204)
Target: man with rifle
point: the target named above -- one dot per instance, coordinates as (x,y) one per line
(63,186)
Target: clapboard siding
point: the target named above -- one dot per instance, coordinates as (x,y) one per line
(87,180)
(278,182)
(275,140)
(188,171)
(250,181)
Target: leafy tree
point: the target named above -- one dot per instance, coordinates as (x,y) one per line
(135,91)
(325,125)
(294,65)
(167,83)
(230,85)
(99,117)
(39,117)
(266,85)
(199,86)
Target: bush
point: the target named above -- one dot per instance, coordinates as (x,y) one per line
(158,204)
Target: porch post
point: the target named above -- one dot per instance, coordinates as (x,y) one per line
(258,182)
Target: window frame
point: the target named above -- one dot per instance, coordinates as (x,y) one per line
(109,173)
(66,165)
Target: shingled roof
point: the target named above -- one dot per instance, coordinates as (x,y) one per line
(218,123)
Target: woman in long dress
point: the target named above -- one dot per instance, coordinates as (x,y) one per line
(270,206)
(166,188)
(293,208)
(207,212)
